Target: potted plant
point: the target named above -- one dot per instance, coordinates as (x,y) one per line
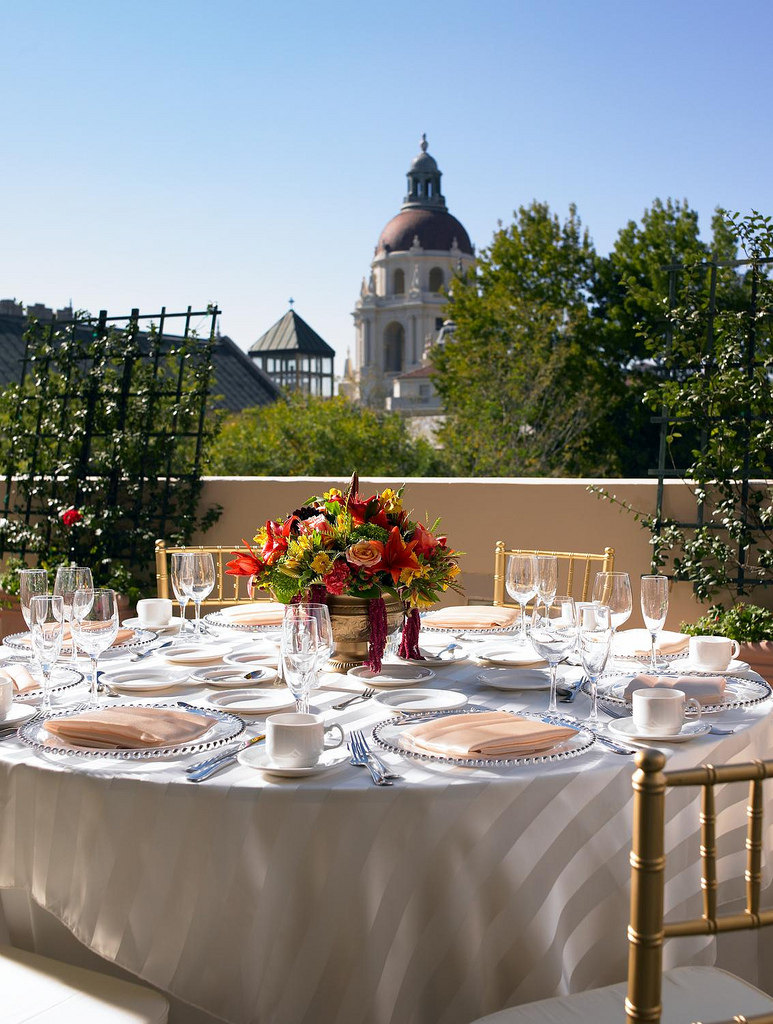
(749,624)
(365,558)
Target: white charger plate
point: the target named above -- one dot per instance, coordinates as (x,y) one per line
(17,715)
(392,675)
(515,678)
(625,728)
(408,702)
(257,757)
(145,679)
(250,702)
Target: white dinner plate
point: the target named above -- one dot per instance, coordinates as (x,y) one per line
(515,678)
(145,679)
(17,715)
(254,659)
(229,677)
(253,702)
(257,757)
(392,675)
(194,654)
(407,702)
(507,655)
(689,666)
(430,655)
(625,728)
(173,626)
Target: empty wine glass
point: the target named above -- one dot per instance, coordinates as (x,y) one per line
(198,581)
(31,582)
(46,629)
(95,627)
(553,636)
(547,579)
(594,641)
(521,583)
(69,579)
(299,650)
(180,570)
(613,589)
(654,609)
(325,642)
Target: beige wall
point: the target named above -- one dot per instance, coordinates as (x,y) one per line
(530,513)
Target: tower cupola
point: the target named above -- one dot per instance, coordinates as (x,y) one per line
(424,183)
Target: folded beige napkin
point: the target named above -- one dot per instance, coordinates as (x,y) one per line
(488,734)
(635,643)
(21,678)
(471,617)
(259,613)
(705,689)
(122,636)
(130,728)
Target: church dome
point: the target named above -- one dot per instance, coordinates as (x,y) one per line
(436,229)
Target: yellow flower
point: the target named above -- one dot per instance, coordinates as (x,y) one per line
(261,536)
(321,563)
(408,575)
(342,521)
(391,501)
(332,493)
(417,601)
(453,570)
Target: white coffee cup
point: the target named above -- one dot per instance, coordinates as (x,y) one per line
(713,653)
(154,611)
(659,710)
(6,698)
(295,740)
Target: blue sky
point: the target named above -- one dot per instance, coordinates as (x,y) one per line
(180,152)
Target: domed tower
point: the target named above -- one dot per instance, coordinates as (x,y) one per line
(400,308)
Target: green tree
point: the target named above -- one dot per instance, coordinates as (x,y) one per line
(304,435)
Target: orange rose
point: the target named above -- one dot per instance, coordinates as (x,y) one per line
(365,554)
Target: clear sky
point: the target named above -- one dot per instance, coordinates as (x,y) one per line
(175,152)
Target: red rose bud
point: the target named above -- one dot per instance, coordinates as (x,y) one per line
(70,516)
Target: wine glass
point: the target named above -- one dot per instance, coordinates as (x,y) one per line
(325,642)
(31,582)
(299,650)
(547,579)
(179,572)
(69,579)
(198,581)
(613,589)
(95,627)
(594,640)
(46,629)
(521,583)
(553,636)
(654,609)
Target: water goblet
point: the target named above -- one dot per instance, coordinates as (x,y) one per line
(553,636)
(325,642)
(31,582)
(613,589)
(547,579)
(198,581)
(180,571)
(521,583)
(69,579)
(299,650)
(654,609)
(95,627)
(594,639)
(46,629)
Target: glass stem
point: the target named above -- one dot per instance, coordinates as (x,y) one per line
(524,635)
(653,660)
(182,615)
(93,695)
(197,624)
(46,673)
(593,717)
(553,706)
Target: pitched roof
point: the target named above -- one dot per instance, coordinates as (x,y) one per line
(239,383)
(292,334)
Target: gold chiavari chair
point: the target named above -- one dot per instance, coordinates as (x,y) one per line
(684,994)
(228,590)
(576,570)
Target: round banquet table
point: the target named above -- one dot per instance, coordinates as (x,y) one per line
(328,900)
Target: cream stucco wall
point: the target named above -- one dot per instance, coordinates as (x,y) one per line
(531,513)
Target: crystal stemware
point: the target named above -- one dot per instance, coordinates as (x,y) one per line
(547,579)
(198,581)
(95,627)
(594,641)
(553,636)
(69,579)
(46,629)
(300,653)
(654,609)
(521,583)
(180,571)
(31,582)
(613,589)
(325,642)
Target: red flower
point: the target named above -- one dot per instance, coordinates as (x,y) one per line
(244,565)
(70,516)
(277,539)
(398,555)
(426,542)
(337,579)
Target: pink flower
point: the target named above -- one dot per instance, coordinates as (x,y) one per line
(70,516)
(337,579)
(365,554)
(318,524)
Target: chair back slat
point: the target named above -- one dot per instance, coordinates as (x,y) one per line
(753,873)
(708,819)
(575,563)
(228,590)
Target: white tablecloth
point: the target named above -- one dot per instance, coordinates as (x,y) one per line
(326,900)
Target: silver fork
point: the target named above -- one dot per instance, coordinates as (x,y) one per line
(361,760)
(362,744)
(365,695)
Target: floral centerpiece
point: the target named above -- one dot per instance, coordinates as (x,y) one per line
(346,544)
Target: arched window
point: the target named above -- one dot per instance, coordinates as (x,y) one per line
(394,347)
(435,279)
(398,282)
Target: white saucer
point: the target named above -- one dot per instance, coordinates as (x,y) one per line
(173,626)
(685,663)
(624,727)
(252,702)
(194,654)
(515,678)
(407,702)
(17,715)
(145,679)
(230,677)
(257,757)
(392,675)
